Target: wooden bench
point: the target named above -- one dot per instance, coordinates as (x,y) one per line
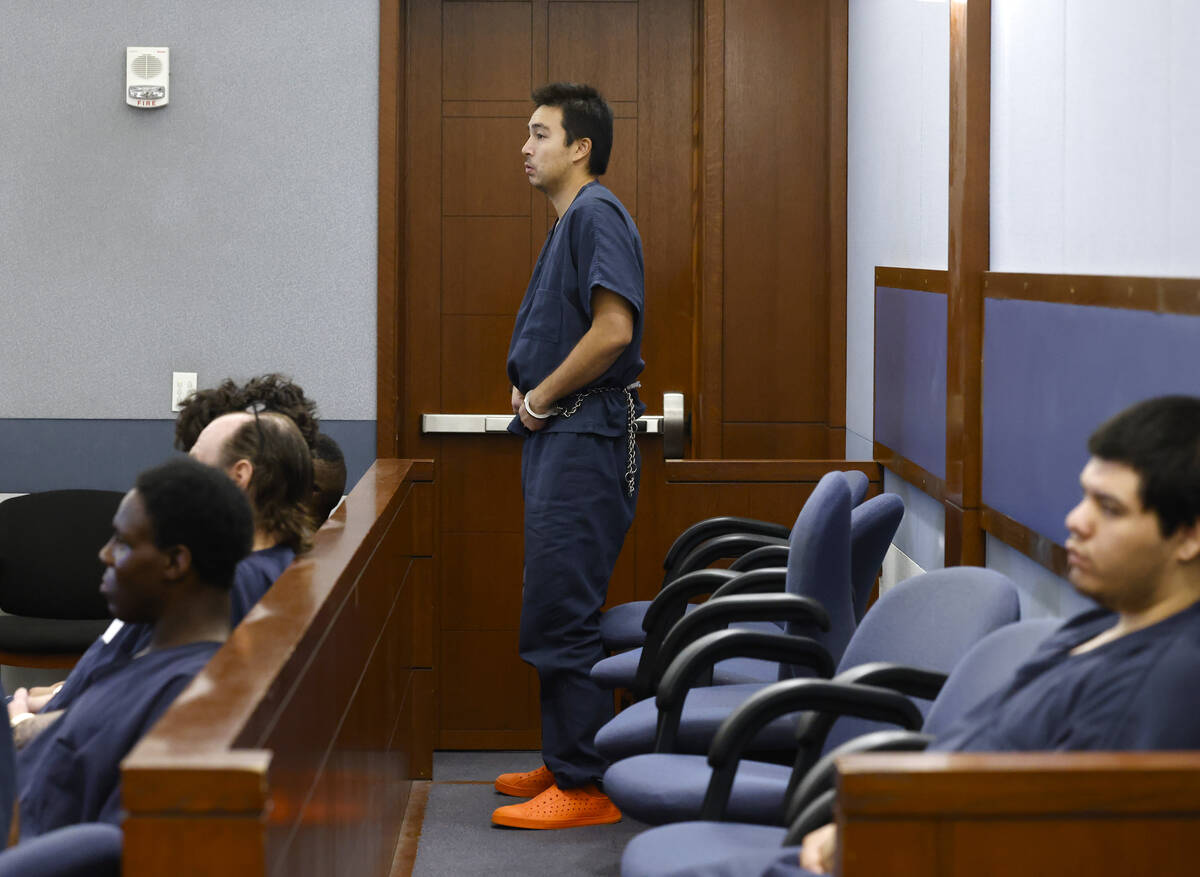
(988,815)
(294,751)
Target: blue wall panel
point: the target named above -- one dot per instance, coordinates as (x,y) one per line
(910,375)
(1052,373)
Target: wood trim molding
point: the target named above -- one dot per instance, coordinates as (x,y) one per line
(967,259)
(762,471)
(1033,545)
(1162,295)
(837,105)
(709,333)
(921,279)
(910,471)
(389,343)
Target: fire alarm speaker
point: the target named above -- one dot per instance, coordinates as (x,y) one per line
(147,71)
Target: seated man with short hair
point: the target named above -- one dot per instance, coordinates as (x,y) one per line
(1120,677)
(178,536)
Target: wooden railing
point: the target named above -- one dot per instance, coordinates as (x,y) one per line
(293,752)
(987,815)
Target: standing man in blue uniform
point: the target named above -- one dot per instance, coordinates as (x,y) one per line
(573,363)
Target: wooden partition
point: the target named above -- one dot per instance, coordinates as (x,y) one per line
(978,815)
(293,751)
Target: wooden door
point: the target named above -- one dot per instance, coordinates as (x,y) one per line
(474,228)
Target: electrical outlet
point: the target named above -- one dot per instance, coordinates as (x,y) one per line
(183,384)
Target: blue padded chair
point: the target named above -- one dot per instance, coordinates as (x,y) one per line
(91,849)
(728,848)
(929,621)
(872,526)
(697,547)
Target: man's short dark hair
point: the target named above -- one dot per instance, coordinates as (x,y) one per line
(282,479)
(270,392)
(199,507)
(329,477)
(1160,440)
(585,114)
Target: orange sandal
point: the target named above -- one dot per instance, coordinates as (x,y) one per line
(560,808)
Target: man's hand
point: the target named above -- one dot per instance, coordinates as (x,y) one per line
(533,424)
(19,704)
(819,849)
(517,398)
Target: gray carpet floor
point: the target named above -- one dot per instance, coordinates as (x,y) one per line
(458,838)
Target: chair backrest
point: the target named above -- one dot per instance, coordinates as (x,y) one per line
(819,562)
(8,776)
(49,545)
(982,671)
(872,527)
(859,484)
(929,621)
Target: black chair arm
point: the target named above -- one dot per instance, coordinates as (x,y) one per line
(731,545)
(699,657)
(813,728)
(790,696)
(756,581)
(768,555)
(704,530)
(717,614)
(821,777)
(668,604)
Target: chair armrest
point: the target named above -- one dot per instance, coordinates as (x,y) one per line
(819,781)
(768,555)
(791,696)
(717,614)
(668,604)
(911,681)
(731,545)
(704,530)
(699,657)
(771,580)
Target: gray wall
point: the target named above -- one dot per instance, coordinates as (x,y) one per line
(230,233)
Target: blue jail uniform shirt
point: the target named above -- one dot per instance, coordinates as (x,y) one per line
(1134,693)
(70,773)
(255,574)
(595,244)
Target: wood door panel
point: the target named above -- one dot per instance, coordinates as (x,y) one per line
(596,43)
(481,580)
(474,350)
(484,684)
(775,441)
(485,264)
(481,167)
(486,51)
(622,175)
(480,481)
(776,213)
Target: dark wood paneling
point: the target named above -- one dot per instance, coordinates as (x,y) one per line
(390,329)
(775,441)
(481,492)
(622,175)
(499,693)
(485,54)
(964,544)
(837,74)
(481,580)
(924,279)
(1033,545)
(969,236)
(710,263)
(1163,295)
(481,168)
(776,339)
(484,259)
(594,43)
(474,350)
(910,471)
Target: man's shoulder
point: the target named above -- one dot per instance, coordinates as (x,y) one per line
(596,201)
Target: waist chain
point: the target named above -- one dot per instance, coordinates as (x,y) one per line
(630,424)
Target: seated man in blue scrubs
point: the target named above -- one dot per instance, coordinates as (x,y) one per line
(1120,677)
(267,457)
(178,536)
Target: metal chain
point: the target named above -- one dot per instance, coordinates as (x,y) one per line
(631,425)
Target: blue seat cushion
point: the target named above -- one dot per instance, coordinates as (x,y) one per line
(661,788)
(692,849)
